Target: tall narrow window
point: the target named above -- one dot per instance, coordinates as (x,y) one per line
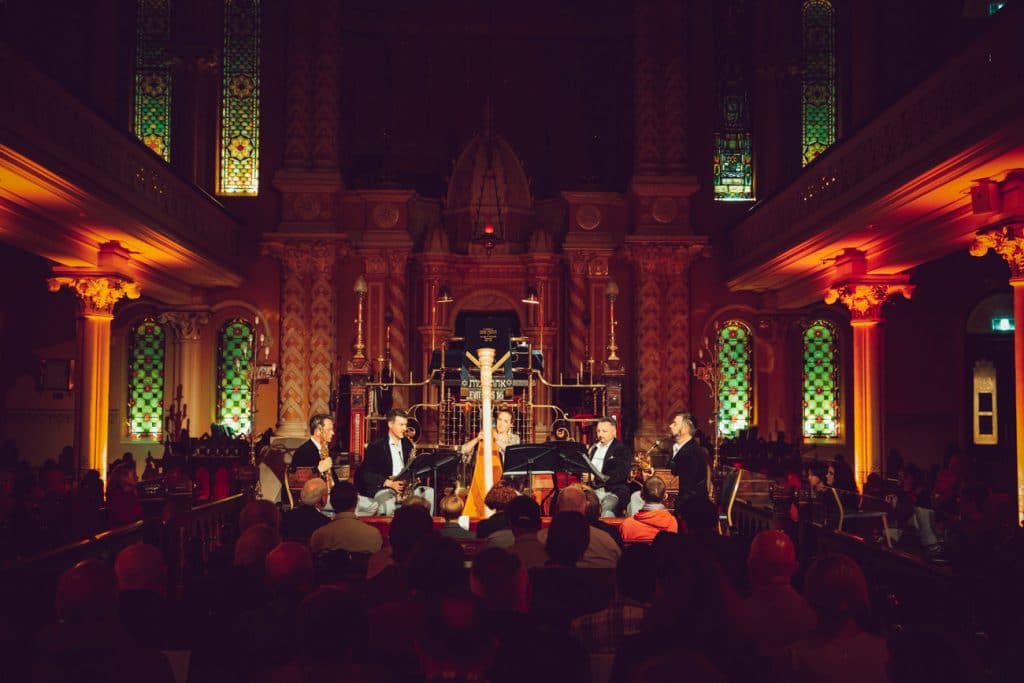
(238,172)
(733,155)
(986,408)
(234,391)
(146,356)
(735,392)
(820,381)
(153,76)
(818,92)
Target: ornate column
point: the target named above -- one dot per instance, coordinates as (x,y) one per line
(578,308)
(645,104)
(1008,242)
(674,87)
(322,327)
(326,93)
(298,108)
(864,295)
(651,342)
(293,396)
(677,319)
(398,303)
(187,327)
(97,292)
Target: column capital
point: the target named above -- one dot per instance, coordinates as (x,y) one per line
(865,297)
(1008,242)
(97,292)
(187,325)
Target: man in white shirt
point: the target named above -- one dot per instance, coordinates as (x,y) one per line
(610,457)
(384,459)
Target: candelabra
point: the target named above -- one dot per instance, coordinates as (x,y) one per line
(256,374)
(612,292)
(708,369)
(360,288)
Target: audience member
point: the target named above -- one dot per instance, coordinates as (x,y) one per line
(567,539)
(604,630)
(386,573)
(142,605)
(602,551)
(123,505)
(594,514)
(451,508)
(523,516)
(346,532)
(497,499)
(300,523)
(259,512)
(653,517)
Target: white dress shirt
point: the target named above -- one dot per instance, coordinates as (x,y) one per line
(597,460)
(397,463)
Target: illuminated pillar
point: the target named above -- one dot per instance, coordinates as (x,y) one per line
(323,328)
(865,297)
(97,294)
(293,396)
(1008,242)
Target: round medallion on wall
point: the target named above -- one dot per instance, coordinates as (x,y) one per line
(386,215)
(664,210)
(307,207)
(588,217)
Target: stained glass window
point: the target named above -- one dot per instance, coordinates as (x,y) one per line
(238,173)
(735,393)
(820,381)
(146,356)
(153,76)
(733,157)
(234,398)
(818,92)
(994,7)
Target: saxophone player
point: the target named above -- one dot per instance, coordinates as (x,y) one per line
(384,459)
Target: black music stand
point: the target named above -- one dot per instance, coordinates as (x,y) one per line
(551,458)
(430,462)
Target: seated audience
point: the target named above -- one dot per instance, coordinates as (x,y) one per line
(604,630)
(523,515)
(653,517)
(451,508)
(142,605)
(387,571)
(300,523)
(259,512)
(497,499)
(602,551)
(567,539)
(346,531)
(595,512)
(838,649)
(123,505)
(774,615)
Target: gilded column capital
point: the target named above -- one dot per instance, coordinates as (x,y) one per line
(322,256)
(865,299)
(1008,242)
(187,325)
(97,294)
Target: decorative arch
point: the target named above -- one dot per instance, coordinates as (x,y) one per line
(734,352)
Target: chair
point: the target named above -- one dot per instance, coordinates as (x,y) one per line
(730,487)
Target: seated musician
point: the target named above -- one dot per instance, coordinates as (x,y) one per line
(503,436)
(314,453)
(384,459)
(610,457)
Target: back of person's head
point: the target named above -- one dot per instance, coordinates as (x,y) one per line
(87,593)
(344,497)
(836,589)
(409,525)
(675,571)
(523,514)
(593,504)
(289,569)
(772,558)
(568,538)
(313,492)
(499,578)
(572,499)
(500,495)
(454,644)
(451,508)
(436,566)
(255,543)
(635,573)
(331,620)
(259,512)
(819,468)
(141,567)
(418,501)
(654,490)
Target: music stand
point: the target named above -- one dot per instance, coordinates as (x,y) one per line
(432,462)
(569,457)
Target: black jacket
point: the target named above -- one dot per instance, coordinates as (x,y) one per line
(617,463)
(376,467)
(690,464)
(306,455)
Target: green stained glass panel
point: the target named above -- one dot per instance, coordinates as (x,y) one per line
(820,381)
(146,355)
(234,397)
(240,99)
(153,76)
(734,387)
(818,94)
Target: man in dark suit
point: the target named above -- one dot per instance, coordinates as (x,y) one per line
(689,461)
(385,458)
(310,454)
(612,459)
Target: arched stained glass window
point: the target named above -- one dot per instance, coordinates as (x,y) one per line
(153,76)
(735,392)
(820,381)
(238,172)
(146,361)
(818,91)
(234,392)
